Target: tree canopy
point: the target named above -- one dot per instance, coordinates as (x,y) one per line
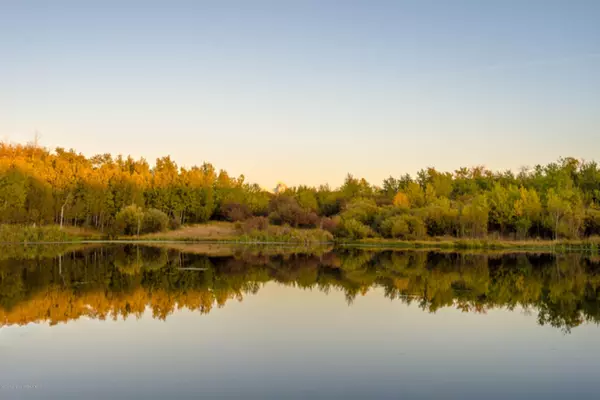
(558,200)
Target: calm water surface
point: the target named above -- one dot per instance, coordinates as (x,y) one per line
(227,322)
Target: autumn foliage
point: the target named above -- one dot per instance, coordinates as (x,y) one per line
(119,194)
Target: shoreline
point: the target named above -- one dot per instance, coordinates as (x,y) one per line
(458,244)
(224,234)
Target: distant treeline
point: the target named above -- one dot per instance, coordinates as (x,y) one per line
(38,186)
(115,282)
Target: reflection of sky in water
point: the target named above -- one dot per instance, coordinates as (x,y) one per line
(290,343)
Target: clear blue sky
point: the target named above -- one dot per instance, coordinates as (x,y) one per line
(306,91)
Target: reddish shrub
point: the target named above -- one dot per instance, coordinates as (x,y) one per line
(330,224)
(255,224)
(235,212)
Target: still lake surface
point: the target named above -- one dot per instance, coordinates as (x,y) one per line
(207,321)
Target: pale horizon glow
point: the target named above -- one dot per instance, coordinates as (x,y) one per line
(306,92)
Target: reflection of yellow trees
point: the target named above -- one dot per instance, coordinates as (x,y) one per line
(119,282)
(57,305)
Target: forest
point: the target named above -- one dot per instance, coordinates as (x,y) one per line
(40,187)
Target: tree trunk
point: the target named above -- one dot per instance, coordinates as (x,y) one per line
(62,215)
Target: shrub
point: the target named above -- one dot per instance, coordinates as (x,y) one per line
(331,225)
(155,221)
(354,229)
(174,223)
(361,210)
(403,227)
(275,218)
(400,228)
(441,218)
(128,221)
(381,221)
(286,210)
(592,221)
(255,224)
(417,226)
(236,212)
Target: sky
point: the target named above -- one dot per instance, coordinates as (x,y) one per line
(305,92)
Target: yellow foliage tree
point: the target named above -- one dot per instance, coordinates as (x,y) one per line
(401,200)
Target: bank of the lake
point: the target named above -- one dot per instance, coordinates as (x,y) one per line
(589,244)
(225,232)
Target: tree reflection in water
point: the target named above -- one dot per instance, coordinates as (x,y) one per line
(120,281)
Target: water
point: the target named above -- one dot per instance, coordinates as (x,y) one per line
(228,322)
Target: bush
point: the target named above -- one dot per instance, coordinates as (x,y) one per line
(361,210)
(275,218)
(174,223)
(253,224)
(400,228)
(417,226)
(155,221)
(129,221)
(592,222)
(354,229)
(403,227)
(132,220)
(286,210)
(381,221)
(331,225)
(236,212)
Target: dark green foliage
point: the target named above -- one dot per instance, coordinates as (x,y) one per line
(155,221)
(129,221)
(354,229)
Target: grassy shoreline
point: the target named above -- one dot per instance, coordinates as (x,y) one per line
(225,233)
(589,244)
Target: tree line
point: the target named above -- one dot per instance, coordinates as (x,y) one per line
(63,187)
(121,281)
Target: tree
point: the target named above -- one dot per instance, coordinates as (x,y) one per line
(473,217)
(557,208)
(401,200)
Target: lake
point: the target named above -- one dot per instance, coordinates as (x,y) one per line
(214,321)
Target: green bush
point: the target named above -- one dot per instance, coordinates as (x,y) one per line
(403,227)
(155,221)
(132,220)
(354,229)
(129,220)
(361,210)
(400,228)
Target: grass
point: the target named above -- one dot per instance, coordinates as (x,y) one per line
(33,234)
(240,249)
(227,232)
(589,244)
(220,231)
(212,231)
(274,234)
